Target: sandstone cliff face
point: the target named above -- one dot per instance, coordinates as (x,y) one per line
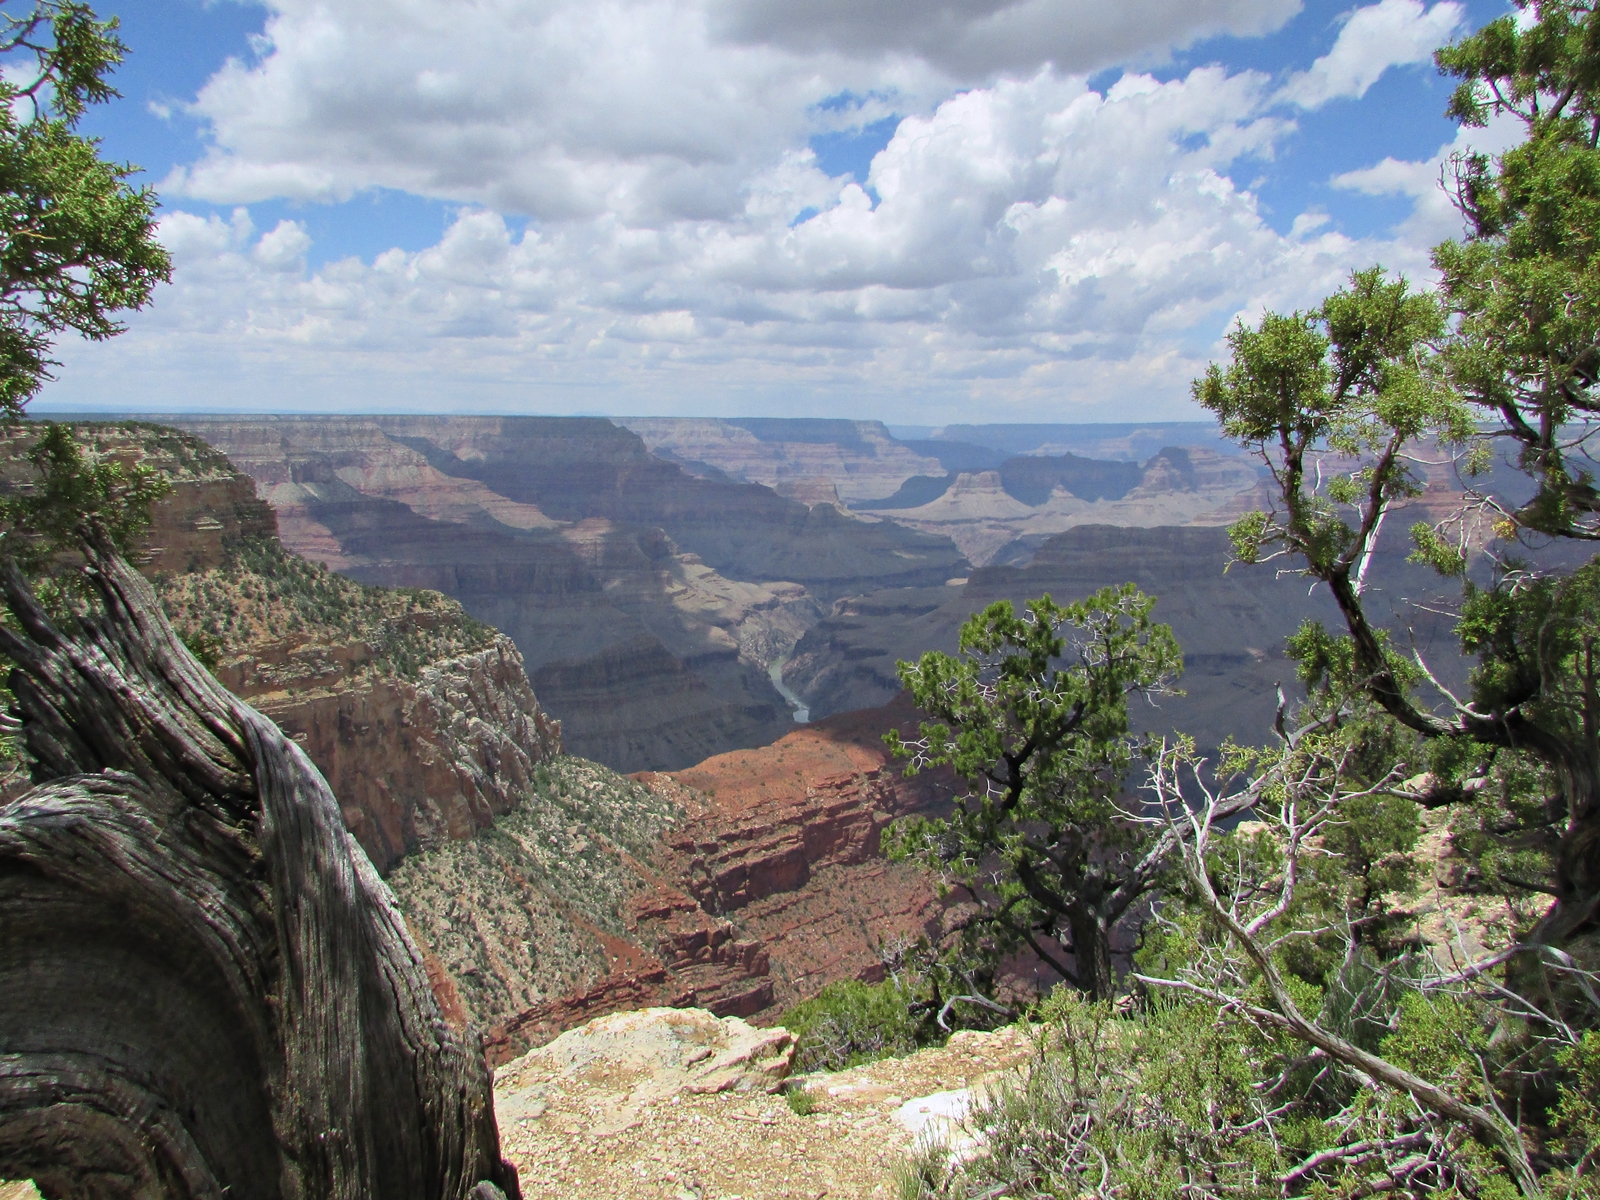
(414,762)
(422,720)
(209,499)
(561,912)
(188,527)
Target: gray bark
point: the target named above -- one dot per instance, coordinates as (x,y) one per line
(205,988)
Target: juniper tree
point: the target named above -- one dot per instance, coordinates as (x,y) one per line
(1032,714)
(1338,402)
(77,241)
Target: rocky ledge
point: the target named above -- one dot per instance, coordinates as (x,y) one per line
(665,1105)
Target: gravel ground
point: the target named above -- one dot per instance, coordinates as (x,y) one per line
(584,1141)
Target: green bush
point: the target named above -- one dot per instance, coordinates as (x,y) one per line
(802,1100)
(1185,1099)
(849,1022)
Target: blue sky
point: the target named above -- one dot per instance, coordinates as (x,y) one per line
(948,210)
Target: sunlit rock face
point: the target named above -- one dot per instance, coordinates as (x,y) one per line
(739,885)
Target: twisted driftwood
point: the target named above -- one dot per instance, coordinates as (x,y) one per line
(205,988)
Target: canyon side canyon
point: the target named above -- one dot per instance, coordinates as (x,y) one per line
(679,587)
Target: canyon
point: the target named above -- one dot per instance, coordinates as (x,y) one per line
(997,491)
(421,718)
(647,603)
(546,890)
(660,575)
(542,888)
(738,868)
(1231,622)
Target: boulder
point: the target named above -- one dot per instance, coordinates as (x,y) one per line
(630,1060)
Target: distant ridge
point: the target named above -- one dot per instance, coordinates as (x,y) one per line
(1132,442)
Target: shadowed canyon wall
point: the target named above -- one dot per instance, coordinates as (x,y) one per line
(1231,623)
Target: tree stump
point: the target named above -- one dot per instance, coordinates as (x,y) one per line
(205,988)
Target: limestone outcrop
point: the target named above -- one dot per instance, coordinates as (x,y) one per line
(594,1139)
(653,1053)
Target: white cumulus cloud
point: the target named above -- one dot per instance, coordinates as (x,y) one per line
(1392,33)
(1024,246)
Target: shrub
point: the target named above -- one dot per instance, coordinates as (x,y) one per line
(1187,1100)
(849,1022)
(802,1100)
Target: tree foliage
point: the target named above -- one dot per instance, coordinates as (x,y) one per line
(1524,284)
(1340,404)
(77,241)
(1033,715)
(1343,1058)
(77,490)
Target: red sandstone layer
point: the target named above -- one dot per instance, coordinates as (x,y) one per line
(771,886)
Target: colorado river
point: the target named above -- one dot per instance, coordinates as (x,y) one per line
(802,714)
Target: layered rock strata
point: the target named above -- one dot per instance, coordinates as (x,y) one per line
(421,719)
(208,501)
(543,889)
(739,886)
(787,848)
(1004,513)
(648,604)
(795,457)
(557,913)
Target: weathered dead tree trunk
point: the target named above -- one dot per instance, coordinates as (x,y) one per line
(205,988)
